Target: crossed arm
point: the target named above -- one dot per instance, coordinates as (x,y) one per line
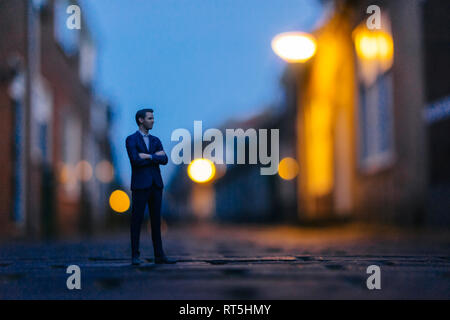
(158,156)
(144,159)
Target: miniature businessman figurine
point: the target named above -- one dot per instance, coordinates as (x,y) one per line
(146,154)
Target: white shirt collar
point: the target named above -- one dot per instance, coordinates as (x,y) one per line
(143,134)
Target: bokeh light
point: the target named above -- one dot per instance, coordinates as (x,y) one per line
(221,169)
(371,45)
(294,46)
(201,170)
(119,201)
(104,171)
(288,168)
(65,173)
(83,170)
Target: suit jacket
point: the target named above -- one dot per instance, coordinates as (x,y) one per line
(145,171)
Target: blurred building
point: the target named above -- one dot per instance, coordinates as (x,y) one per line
(54,130)
(365,127)
(436,44)
(242,193)
(238,192)
(364,136)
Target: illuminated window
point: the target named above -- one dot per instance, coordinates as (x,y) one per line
(375,49)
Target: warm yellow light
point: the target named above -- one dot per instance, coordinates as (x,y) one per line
(372,45)
(368,47)
(385,46)
(201,170)
(319,152)
(294,46)
(119,201)
(65,173)
(288,168)
(104,171)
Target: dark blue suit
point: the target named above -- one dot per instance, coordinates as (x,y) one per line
(146,187)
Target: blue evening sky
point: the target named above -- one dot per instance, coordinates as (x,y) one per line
(207,60)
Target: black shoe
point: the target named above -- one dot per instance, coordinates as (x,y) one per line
(136,261)
(164,259)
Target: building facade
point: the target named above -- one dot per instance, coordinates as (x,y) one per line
(365,122)
(52,142)
(363,140)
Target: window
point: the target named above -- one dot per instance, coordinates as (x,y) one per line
(375,124)
(374,51)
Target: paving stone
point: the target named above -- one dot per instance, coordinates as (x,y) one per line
(233,262)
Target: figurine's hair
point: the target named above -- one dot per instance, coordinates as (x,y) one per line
(141,114)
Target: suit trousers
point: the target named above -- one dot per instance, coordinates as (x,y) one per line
(140,198)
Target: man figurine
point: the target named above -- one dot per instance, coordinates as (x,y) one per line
(146,154)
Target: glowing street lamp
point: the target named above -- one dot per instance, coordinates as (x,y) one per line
(294,47)
(201,170)
(119,201)
(288,168)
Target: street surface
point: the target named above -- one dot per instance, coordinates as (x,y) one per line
(235,262)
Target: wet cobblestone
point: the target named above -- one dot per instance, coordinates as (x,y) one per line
(234,262)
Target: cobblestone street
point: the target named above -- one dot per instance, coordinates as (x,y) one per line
(235,262)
